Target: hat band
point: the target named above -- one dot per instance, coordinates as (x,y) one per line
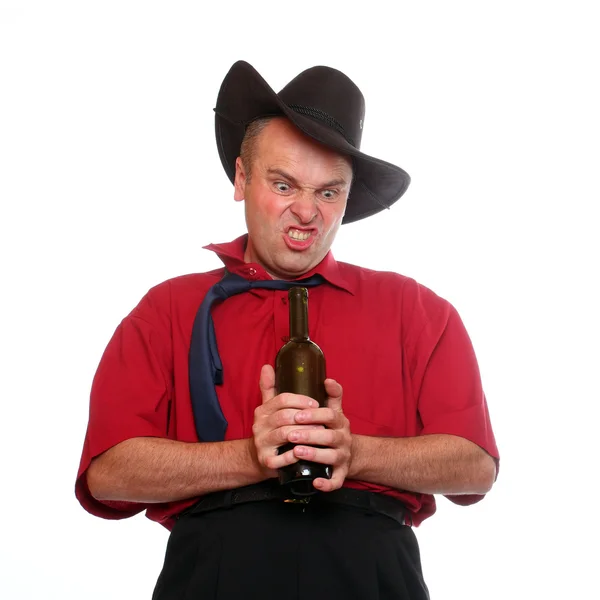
(322,116)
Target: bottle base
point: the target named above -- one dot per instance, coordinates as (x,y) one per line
(299,477)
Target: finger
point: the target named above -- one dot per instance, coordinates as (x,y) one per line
(335,404)
(325,416)
(314,435)
(267,383)
(277,461)
(324,456)
(280,435)
(334,391)
(328,485)
(287,401)
(286,417)
(281,418)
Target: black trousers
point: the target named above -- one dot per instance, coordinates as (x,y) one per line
(274,550)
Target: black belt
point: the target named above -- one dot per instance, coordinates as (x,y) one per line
(260,492)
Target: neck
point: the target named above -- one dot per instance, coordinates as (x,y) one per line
(298,300)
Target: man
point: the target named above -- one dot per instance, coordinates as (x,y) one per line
(185,421)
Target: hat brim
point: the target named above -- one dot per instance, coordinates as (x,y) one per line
(245,96)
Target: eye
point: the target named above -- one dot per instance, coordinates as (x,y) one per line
(281,186)
(329,194)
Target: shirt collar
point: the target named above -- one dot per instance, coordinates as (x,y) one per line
(232,256)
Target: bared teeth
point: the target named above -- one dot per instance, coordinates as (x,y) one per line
(301,236)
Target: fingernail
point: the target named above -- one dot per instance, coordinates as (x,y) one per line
(313,404)
(301,451)
(294,436)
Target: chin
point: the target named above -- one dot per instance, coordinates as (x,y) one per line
(290,265)
(292,270)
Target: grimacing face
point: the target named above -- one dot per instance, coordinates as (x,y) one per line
(294,201)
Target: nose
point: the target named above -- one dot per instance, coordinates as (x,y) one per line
(304,207)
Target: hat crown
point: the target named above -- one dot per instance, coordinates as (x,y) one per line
(329,96)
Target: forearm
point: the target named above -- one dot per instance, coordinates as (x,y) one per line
(429,464)
(153,470)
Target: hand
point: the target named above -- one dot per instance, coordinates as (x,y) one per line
(336,437)
(274,420)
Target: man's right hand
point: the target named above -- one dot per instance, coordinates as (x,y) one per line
(274,421)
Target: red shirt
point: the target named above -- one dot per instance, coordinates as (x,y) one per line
(400,352)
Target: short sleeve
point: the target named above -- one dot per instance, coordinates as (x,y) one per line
(130,397)
(451,399)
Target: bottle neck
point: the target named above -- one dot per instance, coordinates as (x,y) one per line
(298,301)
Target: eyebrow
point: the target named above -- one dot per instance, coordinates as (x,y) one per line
(284,175)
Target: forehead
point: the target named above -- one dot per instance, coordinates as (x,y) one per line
(280,140)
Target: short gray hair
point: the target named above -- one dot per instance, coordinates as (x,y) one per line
(248,147)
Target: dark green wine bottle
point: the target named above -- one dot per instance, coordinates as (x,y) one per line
(300,369)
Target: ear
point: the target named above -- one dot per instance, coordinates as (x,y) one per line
(240,181)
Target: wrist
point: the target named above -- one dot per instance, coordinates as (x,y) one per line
(356,452)
(259,471)
(366,455)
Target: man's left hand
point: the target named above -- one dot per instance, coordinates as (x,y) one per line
(335,437)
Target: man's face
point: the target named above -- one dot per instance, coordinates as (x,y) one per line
(295,200)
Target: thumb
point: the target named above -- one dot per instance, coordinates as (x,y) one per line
(267,383)
(334,394)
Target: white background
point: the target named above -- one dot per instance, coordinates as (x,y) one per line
(110,183)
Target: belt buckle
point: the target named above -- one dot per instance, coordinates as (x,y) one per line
(297,500)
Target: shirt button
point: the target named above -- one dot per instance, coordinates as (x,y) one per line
(252,271)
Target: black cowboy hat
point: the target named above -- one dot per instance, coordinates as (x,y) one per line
(326,105)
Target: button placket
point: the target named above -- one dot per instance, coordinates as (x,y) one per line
(281,317)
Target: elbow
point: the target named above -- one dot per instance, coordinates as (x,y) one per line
(96,481)
(104,476)
(486,473)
